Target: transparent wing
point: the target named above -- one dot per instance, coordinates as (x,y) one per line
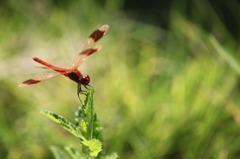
(89,47)
(40,78)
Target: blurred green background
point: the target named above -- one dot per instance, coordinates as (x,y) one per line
(166,81)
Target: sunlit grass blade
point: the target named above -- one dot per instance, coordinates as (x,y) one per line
(112,156)
(226,55)
(59,153)
(73,152)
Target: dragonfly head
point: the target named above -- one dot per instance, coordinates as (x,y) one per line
(85,80)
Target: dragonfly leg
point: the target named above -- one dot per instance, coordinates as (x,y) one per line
(79,92)
(87,87)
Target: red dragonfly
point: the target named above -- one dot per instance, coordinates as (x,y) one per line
(87,49)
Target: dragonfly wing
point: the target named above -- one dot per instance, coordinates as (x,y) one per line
(40,78)
(89,47)
(82,56)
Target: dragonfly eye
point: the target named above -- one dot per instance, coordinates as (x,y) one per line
(85,80)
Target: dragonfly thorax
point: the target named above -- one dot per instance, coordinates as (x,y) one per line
(85,80)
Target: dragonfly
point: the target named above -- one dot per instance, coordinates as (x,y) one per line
(87,49)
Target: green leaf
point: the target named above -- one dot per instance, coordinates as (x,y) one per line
(97,131)
(73,152)
(86,119)
(64,123)
(85,116)
(58,153)
(86,128)
(83,126)
(88,113)
(94,147)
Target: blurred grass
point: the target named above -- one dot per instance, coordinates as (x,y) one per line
(159,93)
